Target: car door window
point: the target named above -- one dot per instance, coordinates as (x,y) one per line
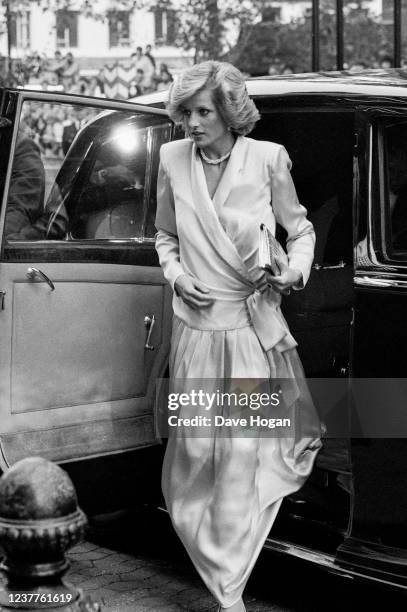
(89,178)
(108,201)
(45,133)
(395,171)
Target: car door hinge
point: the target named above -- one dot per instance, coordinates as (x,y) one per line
(2,297)
(356,143)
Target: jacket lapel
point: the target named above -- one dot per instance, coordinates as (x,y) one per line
(206,213)
(230,175)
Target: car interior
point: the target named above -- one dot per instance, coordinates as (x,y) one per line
(320,145)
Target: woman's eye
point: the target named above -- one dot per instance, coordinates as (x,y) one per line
(186,112)
(203,112)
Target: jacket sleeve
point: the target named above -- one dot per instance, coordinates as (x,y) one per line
(26,193)
(292,216)
(167,244)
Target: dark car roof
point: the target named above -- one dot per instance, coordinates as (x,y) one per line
(391,82)
(395,77)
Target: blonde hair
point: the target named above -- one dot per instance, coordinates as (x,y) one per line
(229,93)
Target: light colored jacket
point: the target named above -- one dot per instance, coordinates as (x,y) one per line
(216,240)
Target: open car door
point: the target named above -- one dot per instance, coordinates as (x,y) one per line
(85,310)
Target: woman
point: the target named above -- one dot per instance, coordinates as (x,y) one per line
(214,189)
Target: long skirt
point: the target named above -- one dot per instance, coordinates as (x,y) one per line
(223,491)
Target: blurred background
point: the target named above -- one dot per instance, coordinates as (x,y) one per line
(121,49)
(124,48)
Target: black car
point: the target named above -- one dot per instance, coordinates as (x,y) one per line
(85,311)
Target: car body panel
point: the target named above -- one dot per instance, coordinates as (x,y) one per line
(77,380)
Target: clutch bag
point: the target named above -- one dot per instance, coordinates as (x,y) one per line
(272,256)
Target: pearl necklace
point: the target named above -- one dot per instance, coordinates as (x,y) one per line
(213,162)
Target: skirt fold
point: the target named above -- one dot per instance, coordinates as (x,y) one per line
(223,491)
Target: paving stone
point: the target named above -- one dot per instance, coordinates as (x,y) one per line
(155,603)
(95,571)
(83,547)
(142,573)
(178,584)
(80,563)
(92,555)
(202,604)
(130,583)
(159,581)
(125,585)
(142,601)
(102,595)
(135,564)
(96,582)
(74,578)
(112,561)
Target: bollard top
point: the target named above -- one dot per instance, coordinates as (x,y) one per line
(35,488)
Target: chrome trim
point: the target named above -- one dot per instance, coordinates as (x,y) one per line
(368,281)
(340,264)
(370,248)
(147,177)
(325,561)
(86,242)
(149,323)
(321,559)
(32,273)
(106,104)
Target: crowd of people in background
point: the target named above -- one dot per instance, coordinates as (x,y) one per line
(49,125)
(148,77)
(62,73)
(53,126)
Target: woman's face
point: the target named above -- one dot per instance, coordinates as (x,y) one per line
(202,120)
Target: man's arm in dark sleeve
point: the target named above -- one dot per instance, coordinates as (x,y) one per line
(26,193)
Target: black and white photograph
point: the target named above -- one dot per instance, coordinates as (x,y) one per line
(203,305)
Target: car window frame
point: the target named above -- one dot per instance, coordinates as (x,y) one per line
(370,119)
(103,250)
(386,237)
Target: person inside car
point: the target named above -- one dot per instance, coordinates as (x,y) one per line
(26,193)
(26,216)
(111,205)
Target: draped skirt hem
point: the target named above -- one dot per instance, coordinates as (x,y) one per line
(223,492)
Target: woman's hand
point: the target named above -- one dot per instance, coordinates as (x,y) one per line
(284,281)
(194,293)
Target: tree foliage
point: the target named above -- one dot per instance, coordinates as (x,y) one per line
(203,24)
(266,43)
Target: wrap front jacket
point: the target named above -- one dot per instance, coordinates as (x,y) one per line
(216,240)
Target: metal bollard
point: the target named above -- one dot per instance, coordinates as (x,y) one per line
(39,521)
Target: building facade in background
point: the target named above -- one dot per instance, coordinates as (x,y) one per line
(109,34)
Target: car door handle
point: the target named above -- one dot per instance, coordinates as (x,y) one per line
(149,323)
(32,273)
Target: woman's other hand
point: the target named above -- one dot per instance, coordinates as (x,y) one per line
(285,281)
(194,293)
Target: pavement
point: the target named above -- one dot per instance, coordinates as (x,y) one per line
(137,565)
(131,583)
